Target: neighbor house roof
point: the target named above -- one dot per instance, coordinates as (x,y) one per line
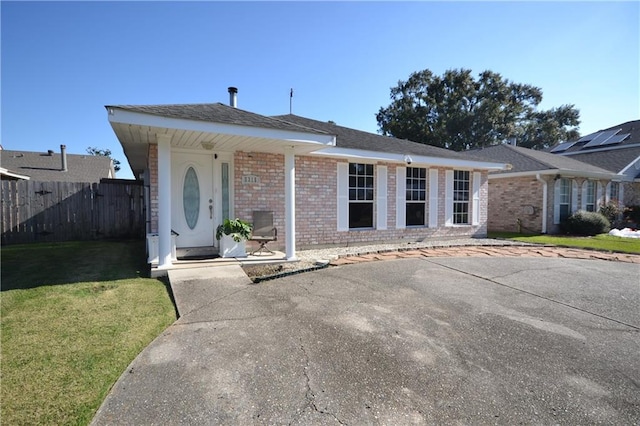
(528,161)
(615,160)
(217,113)
(47,166)
(615,137)
(616,148)
(357,139)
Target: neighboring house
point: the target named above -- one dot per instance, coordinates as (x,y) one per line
(325,184)
(541,189)
(55,167)
(616,149)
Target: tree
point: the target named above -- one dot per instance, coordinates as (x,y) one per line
(104,153)
(458,112)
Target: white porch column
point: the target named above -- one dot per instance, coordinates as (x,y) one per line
(164,201)
(290,202)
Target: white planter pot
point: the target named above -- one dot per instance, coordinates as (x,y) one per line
(230,248)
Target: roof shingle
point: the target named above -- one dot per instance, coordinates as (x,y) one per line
(41,166)
(529,160)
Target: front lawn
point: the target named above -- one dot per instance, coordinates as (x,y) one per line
(603,242)
(74,315)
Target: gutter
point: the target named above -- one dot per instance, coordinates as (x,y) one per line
(544,201)
(562,172)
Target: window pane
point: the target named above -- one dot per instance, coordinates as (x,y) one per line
(361,215)
(369,169)
(352,194)
(191,197)
(360,182)
(352,168)
(360,194)
(352,181)
(370,194)
(369,182)
(415,214)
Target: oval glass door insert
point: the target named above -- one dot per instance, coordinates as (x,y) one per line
(191,198)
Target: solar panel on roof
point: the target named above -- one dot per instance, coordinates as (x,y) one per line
(615,139)
(601,138)
(563,146)
(588,137)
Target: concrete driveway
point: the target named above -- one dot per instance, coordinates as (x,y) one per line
(409,341)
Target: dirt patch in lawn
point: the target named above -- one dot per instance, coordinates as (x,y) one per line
(266,272)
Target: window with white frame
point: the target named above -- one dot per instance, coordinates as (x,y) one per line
(590,196)
(360,195)
(614,191)
(416,196)
(564,199)
(461,196)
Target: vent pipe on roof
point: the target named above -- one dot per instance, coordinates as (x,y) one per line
(63,152)
(233,97)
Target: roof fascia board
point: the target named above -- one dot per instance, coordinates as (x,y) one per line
(141,119)
(562,172)
(399,158)
(635,164)
(7,172)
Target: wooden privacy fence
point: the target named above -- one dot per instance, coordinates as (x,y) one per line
(64,211)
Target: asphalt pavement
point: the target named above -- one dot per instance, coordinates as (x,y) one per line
(406,341)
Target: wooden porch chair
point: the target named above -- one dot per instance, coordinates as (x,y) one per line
(263,231)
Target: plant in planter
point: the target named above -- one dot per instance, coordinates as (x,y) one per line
(233,235)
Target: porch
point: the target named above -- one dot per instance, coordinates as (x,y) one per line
(207,257)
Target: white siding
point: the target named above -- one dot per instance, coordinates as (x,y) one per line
(433,198)
(448,207)
(343,196)
(401,197)
(381,198)
(475,208)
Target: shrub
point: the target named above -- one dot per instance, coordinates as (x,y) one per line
(586,223)
(611,211)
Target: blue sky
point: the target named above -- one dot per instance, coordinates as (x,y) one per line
(62,62)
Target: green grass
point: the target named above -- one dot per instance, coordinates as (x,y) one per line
(602,242)
(74,315)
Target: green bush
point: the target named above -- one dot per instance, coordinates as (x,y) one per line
(586,223)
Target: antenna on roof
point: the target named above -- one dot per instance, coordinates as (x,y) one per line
(291,101)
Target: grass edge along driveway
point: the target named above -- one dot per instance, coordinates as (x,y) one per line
(74,315)
(603,242)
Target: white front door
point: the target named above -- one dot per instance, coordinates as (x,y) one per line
(192,205)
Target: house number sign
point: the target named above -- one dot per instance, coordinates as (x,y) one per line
(247,179)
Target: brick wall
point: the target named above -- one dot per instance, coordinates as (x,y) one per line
(517,199)
(316,202)
(631,193)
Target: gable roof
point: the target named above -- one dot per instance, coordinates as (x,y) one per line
(45,166)
(215,113)
(615,148)
(358,139)
(615,160)
(615,137)
(528,161)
